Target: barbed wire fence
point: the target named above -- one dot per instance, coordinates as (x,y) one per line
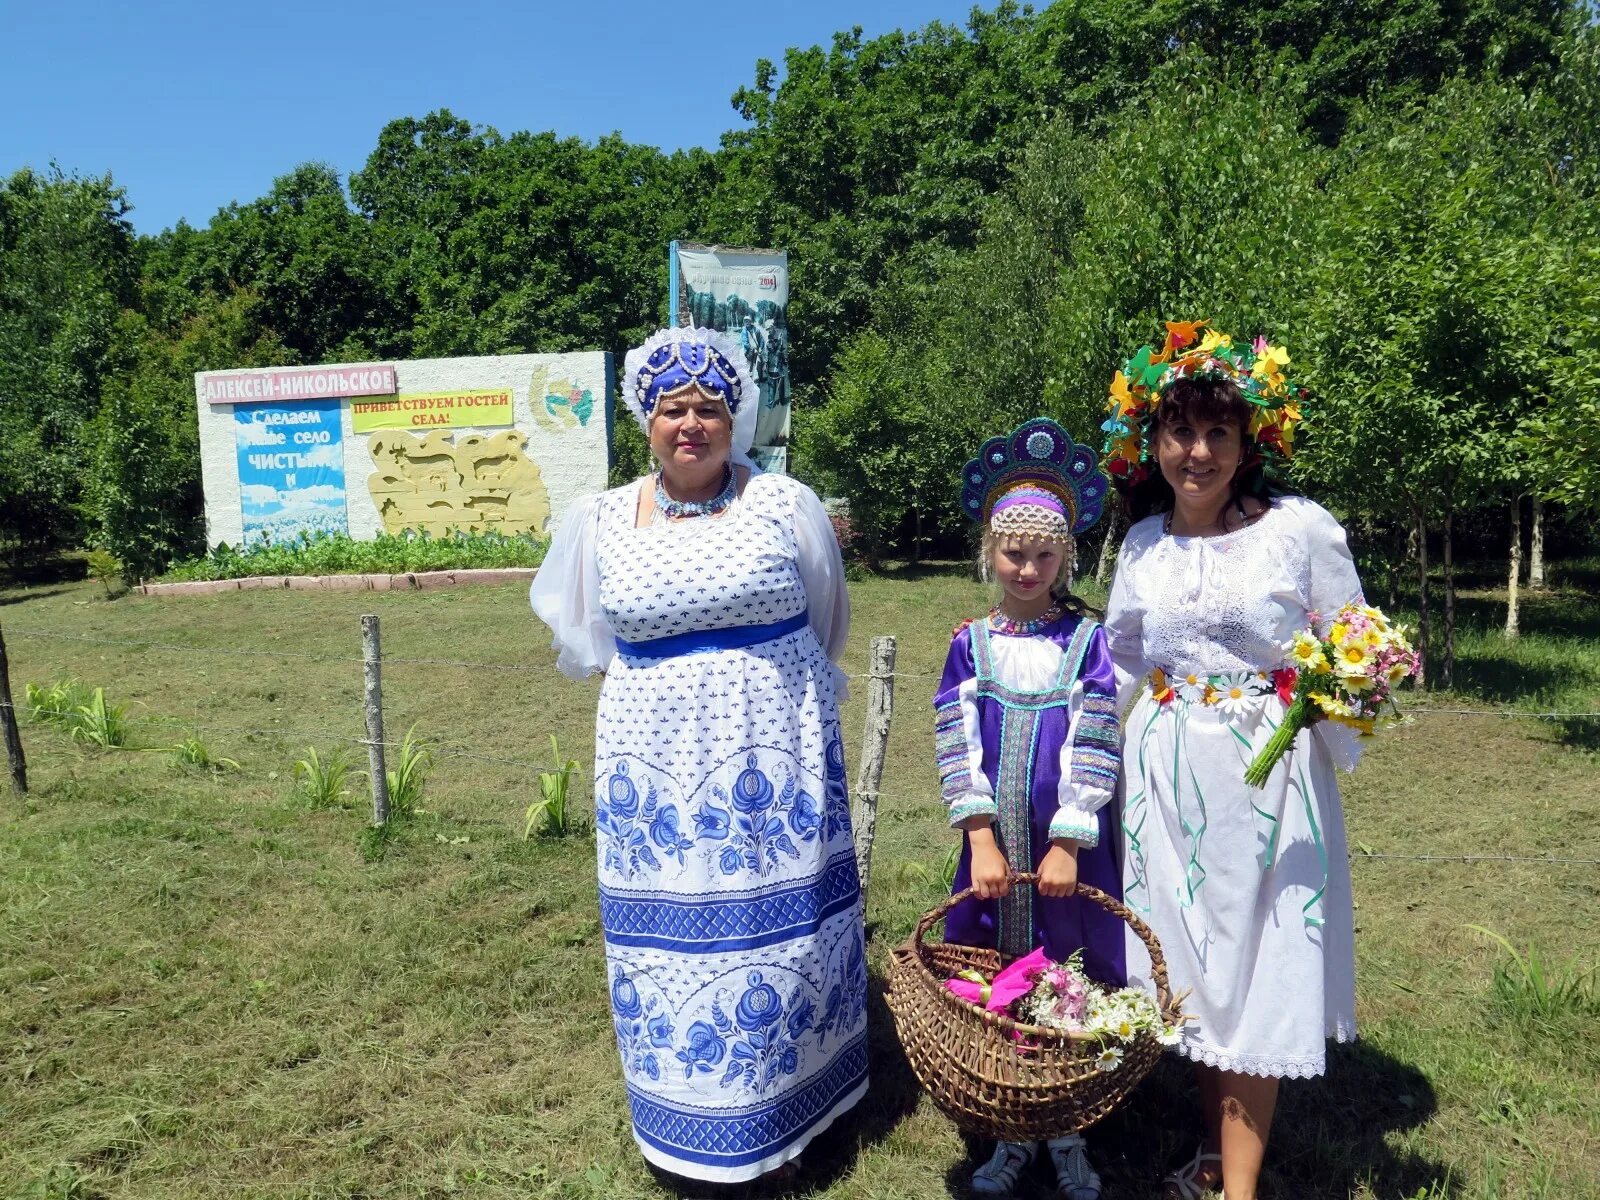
(881,677)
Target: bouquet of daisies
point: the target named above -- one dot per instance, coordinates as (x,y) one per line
(1349,676)
(1063,997)
(1036,991)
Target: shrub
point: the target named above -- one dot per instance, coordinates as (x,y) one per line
(106,567)
(323,553)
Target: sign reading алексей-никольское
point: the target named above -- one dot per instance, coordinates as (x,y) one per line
(296,383)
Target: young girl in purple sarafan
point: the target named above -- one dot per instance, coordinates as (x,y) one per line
(1027,741)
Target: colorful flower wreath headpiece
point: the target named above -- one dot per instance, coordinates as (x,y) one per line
(673,358)
(1035,481)
(1136,390)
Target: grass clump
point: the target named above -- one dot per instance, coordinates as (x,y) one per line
(1536,992)
(406,781)
(56,703)
(99,723)
(84,713)
(194,754)
(324,553)
(548,816)
(320,781)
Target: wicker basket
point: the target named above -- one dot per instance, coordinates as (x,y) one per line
(973,1069)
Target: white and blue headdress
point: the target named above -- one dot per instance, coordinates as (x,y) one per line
(672,358)
(1035,481)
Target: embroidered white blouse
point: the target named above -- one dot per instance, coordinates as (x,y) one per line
(1232,602)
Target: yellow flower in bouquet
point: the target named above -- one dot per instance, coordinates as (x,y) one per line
(1331,706)
(1305,653)
(1352,655)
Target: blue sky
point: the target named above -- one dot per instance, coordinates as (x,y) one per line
(192,105)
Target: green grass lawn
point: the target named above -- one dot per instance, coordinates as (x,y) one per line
(207,991)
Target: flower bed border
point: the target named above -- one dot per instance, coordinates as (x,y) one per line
(406,581)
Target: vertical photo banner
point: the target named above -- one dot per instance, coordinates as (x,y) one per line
(291,469)
(743,292)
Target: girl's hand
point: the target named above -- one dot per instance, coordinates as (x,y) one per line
(1058,873)
(991,874)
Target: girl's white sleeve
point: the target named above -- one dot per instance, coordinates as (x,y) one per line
(821,572)
(566,594)
(1091,755)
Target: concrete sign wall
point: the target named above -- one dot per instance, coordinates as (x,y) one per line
(503,443)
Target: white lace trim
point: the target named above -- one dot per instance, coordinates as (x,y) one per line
(1254,1064)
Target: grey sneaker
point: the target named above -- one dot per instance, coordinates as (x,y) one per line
(1075,1178)
(998,1176)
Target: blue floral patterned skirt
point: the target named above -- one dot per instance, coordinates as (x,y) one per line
(730,904)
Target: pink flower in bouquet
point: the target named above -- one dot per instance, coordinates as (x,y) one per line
(1071,1005)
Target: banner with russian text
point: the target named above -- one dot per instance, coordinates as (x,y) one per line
(291,469)
(432,410)
(744,292)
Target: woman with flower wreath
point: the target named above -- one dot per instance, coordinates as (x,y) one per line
(1248,889)
(712,596)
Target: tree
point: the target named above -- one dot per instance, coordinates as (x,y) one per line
(314,263)
(1428,344)
(67,270)
(1174,210)
(142,491)
(532,242)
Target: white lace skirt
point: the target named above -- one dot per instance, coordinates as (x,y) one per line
(1247,889)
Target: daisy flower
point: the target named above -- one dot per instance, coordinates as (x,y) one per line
(1192,688)
(1170,1035)
(1109,1059)
(1304,652)
(1233,695)
(1352,657)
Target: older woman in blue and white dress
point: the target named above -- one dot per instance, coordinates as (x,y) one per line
(712,596)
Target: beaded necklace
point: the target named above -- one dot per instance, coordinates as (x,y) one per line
(677,510)
(1001,623)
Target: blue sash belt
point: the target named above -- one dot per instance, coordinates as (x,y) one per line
(703,641)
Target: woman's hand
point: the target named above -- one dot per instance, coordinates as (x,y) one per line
(1058,873)
(991,874)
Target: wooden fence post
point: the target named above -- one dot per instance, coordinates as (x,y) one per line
(874,748)
(372,670)
(8,718)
